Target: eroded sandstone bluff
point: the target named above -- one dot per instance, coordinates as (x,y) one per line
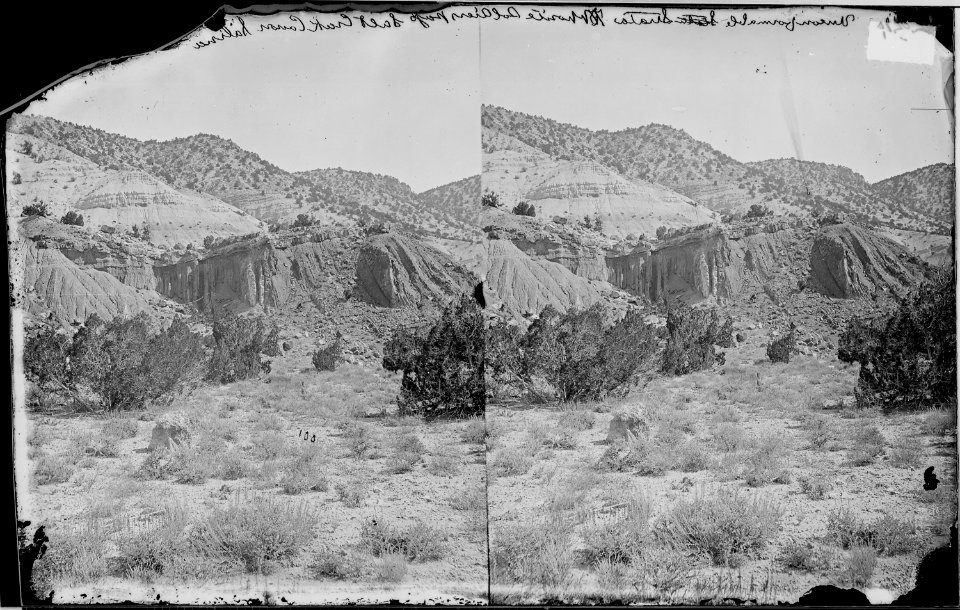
(71,272)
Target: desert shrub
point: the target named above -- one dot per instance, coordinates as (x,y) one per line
(643,455)
(326,358)
(799,556)
(443,370)
(120,428)
(583,358)
(351,493)
(577,420)
(35,209)
(532,554)
(887,534)
(96,445)
(692,457)
(780,348)
(258,532)
(868,444)
(764,464)
(728,436)
(490,200)
(723,526)
(419,542)
(692,335)
(443,466)
(269,445)
(619,539)
(360,440)
(939,422)
(391,567)
(161,549)
(814,488)
(72,218)
(859,565)
(238,348)
(475,432)
(510,461)
(233,466)
(551,436)
(17,178)
(121,362)
(758,210)
(51,470)
(859,339)
(819,431)
(909,361)
(906,453)
(307,473)
(336,564)
(525,209)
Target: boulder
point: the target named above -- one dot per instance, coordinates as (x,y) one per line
(627,424)
(172,427)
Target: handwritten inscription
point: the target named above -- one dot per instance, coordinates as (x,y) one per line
(589,17)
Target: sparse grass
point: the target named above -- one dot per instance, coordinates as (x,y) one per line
(391,568)
(552,436)
(868,444)
(336,564)
(352,494)
(269,445)
(120,428)
(815,488)
(443,466)
(419,542)
(859,565)
(95,445)
(576,419)
(270,421)
(537,554)
(307,473)
(887,535)
(728,436)
(729,414)
(645,456)
(74,555)
(408,450)
(510,462)
(474,500)
(939,422)
(359,439)
(258,533)
(51,470)
(765,463)
(819,431)
(799,556)
(724,525)
(906,452)
(617,539)
(692,457)
(475,431)
(233,466)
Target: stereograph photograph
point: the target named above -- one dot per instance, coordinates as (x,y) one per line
(491,304)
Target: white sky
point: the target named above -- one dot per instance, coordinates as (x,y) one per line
(403,102)
(754,93)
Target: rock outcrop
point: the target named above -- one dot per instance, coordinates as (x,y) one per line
(136,198)
(396,271)
(847,261)
(521,284)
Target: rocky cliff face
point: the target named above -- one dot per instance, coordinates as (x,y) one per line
(394,271)
(847,261)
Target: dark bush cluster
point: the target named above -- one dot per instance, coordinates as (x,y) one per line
(908,359)
(238,348)
(443,368)
(72,218)
(780,348)
(121,363)
(326,358)
(758,211)
(525,209)
(490,200)
(692,338)
(578,353)
(36,209)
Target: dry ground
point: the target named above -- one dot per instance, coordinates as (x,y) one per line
(378,507)
(826,495)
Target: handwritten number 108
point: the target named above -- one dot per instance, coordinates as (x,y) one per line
(307,436)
